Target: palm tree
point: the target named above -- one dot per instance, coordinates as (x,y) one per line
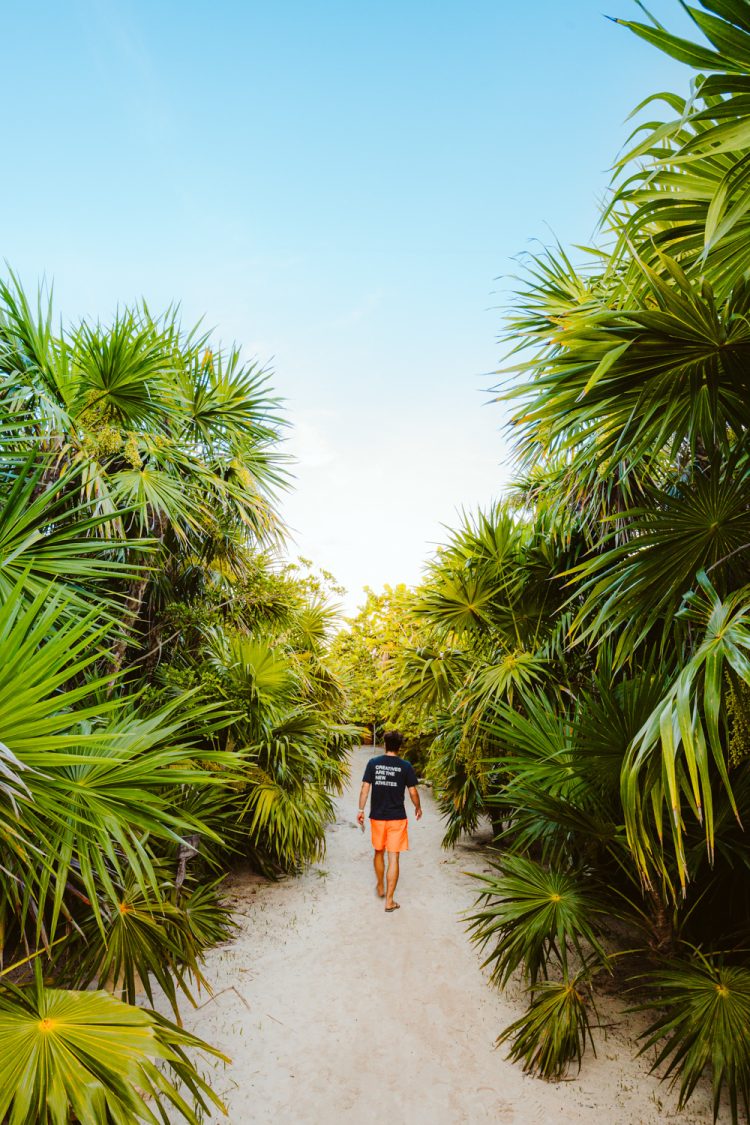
(169,440)
(491,609)
(273,677)
(589,649)
(645,372)
(138,468)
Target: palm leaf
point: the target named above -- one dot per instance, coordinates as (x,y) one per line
(704,1024)
(679,754)
(553,1032)
(531,917)
(88,1054)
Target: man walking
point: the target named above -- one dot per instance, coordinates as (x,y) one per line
(388,776)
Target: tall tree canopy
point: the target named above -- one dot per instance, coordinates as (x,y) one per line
(166,701)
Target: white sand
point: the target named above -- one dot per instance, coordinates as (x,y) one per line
(333,1010)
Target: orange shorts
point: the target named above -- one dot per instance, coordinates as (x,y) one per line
(390,835)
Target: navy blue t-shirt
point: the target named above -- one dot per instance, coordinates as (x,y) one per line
(389,776)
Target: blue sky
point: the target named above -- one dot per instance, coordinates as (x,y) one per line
(343,188)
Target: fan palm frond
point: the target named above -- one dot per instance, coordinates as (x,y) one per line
(705,1014)
(531,917)
(88,1054)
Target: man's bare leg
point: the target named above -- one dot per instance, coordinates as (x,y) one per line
(391,881)
(378,862)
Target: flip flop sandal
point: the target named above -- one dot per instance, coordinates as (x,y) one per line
(390,909)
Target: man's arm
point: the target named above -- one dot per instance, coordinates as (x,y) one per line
(414,794)
(363,794)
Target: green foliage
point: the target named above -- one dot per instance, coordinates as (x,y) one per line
(553,1032)
(160,676)
(583,647)
(531,916)
(738,713)
(45,539)
(638,585)
(366,655)
(684,736)
(703,1024)
(557,777)
(701,152)
(88,1054)
(460,779)
(287,825)
(655,374)
(488,612)
(149,938)
(284,700)
(92,778)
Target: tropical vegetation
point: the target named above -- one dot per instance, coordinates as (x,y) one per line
(364,654)
(166,700)
(582,657)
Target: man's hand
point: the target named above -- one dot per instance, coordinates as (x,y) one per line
(363,793)
(418,813)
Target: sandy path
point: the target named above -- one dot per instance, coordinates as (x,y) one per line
(329,1007)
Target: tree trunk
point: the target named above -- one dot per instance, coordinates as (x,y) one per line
(662,924)
(135,597)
